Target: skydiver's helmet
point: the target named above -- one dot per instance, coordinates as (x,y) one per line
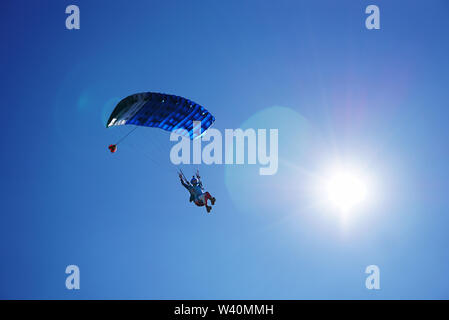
(194,181)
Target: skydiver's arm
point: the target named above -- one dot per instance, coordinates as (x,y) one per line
(184,184)
(199,179)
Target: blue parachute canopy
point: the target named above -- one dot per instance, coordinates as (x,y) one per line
(165,111)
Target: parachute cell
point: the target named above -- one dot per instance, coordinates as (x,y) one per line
(164,111)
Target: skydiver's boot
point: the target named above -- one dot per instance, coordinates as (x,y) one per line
(208,208)
(212,200)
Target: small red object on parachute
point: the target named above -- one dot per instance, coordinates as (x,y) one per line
(112,148)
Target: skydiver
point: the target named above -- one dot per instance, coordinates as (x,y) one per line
(197,194)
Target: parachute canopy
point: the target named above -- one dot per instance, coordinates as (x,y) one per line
(165,111)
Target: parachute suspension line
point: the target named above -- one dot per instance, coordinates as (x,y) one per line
(113,147)
(182,173)
(157,149)
(150,157)
(126,135)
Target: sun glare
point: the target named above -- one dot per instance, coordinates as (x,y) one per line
(345,189)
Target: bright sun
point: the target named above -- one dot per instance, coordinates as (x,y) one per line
(345,189)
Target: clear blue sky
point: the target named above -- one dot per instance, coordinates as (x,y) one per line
(375,98)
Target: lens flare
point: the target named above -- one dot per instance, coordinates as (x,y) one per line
(346,189)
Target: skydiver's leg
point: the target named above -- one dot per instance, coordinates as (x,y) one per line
(207,196)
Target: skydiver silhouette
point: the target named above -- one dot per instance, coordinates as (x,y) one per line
(196,190)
